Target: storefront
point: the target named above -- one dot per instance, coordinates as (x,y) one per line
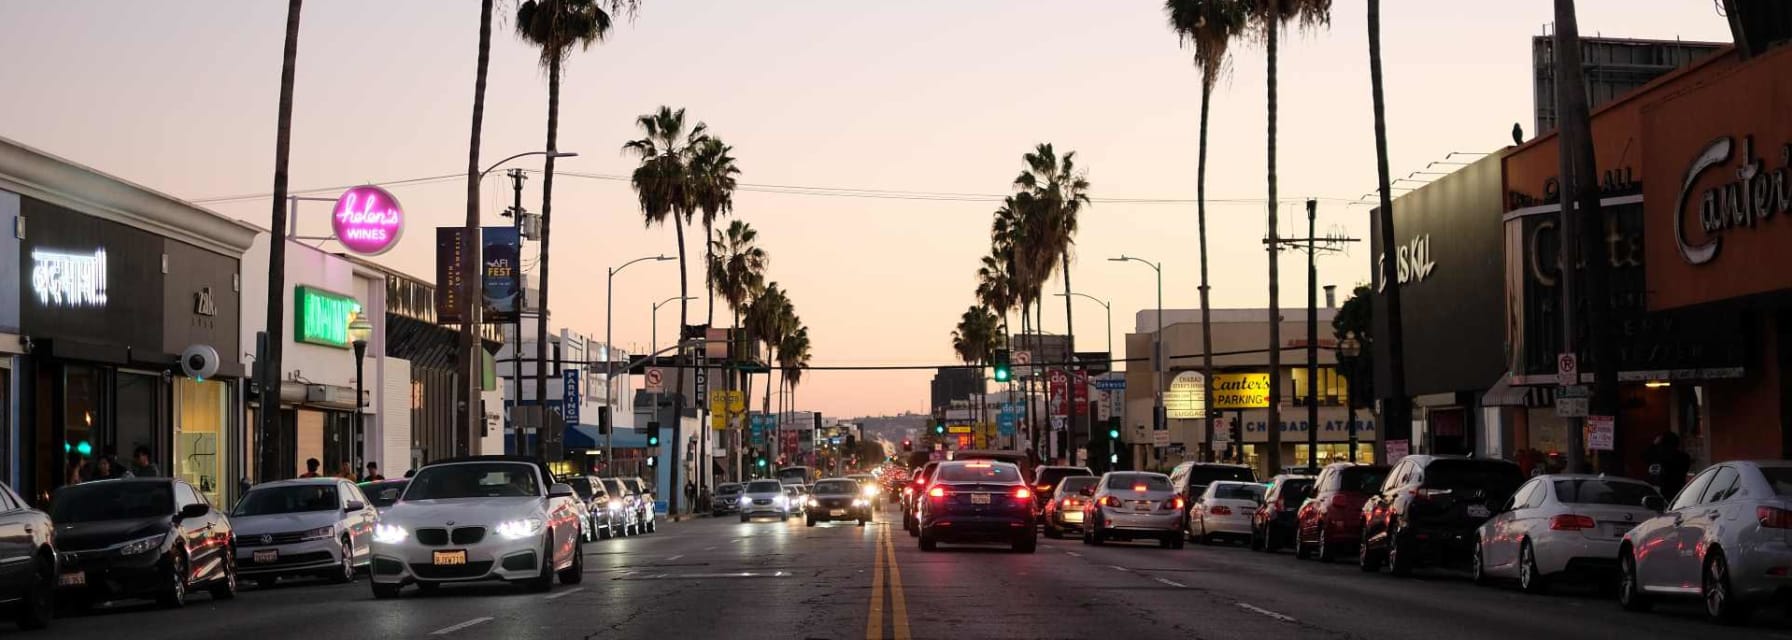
(127,300)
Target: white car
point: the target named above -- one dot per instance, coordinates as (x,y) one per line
(479,518)
(313,526)
(764,497)
(1561,525)
(1727,539)
(1224,510)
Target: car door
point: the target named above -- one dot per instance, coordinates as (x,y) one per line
(1380,506)
(1699,522)
(1661,555)
(1307,518)
(16,533)
(359,523)
(1500,550)
(197,533)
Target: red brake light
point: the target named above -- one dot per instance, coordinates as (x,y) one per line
(1174,503)
(908,491)
(1022,493)
(1571,522)
(1110,501)
(1220,510)
(937,492)
(1773,517)
(1139,488)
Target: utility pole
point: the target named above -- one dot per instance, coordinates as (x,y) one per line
(1580,190)
(516,215)
(1312,244)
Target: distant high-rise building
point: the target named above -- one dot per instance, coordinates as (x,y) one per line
(1613,67)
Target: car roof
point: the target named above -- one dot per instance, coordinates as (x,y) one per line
(1236,482)
(1586,476)
(298,482)
(546,473)
(1192,465)
(1292,476)
(1768,464)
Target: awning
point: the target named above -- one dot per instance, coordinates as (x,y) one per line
(580,436)
(1505,394)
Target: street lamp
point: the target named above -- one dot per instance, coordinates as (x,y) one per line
(609,359)
(1104,305)
(1157,343)
(525,154)
(359,330)
(655,343)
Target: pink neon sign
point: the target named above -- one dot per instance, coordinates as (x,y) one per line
(367,220)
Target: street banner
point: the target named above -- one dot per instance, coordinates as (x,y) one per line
(1006,418)
(501,275)
(1059,382)
(570,378)
(1079,391)
(452,243)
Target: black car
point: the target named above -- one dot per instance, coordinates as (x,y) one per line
(726,500)
(837,499)
(27,561)
(911,496)
(141,538)
(1429,508)
(1274,522)
(1045,479)
(597,505)
(980,501)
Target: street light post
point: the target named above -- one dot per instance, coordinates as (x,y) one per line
(360,329)
(1089,412)
(654,344)
(1157,343)
(610,359)
(1349,347)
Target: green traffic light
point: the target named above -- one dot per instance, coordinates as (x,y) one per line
(653,440)
(939,428)
(762,462)
(1113,434)
(1003,374)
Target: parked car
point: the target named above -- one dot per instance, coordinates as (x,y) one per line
(727,499)
(312,526)
(1045,480)
(1223,511)
(644,504)
(479,518)
(1559,525)
(1191,478)
(912,493)
(141,538)
(1064,509)
(977,501)
(625,519)
(382,493)
(1128,505)
(1330,521)
(596,501)
(1273,522)
(1724,538)
(838,499)
(762,497)
(29,589)
(1429,508)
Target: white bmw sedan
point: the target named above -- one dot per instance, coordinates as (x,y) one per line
(476,519)
(1560,525)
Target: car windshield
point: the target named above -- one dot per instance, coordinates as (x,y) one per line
(383,494)
(765,486)
(1075,484)
(1362,479)
(979,472)
(1780,478)
(1497,478)
(727,489)
(612,486)
(1238,491)
(296,498)
(1132,481)
(1601,491)
(99,501)
(580,485)
(474,480)
(1205,475)
(836,487)
(1051,475)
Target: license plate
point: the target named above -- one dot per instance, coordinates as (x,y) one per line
(267,557)
(979,498)
(450,558)
(1478,511)
(74,579)
(1141,506)
(1073,516)
(836,512)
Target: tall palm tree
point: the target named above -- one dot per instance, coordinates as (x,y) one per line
(1210,26)
(470,358)
(270,363)
(793,360)
(1059,193)
(555,27)
(1270,17)
(769,319)
(737,271)
(712,192)
(1397,413)
(977,337)
(664,182)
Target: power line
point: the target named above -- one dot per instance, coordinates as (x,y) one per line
(936,367)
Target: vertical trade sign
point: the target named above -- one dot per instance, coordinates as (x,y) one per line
(501,287)
(570,398)
(452,243)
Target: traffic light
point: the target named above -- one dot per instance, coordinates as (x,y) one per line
(1003,371)
(603,420)
(761,462)
(939,428)
(653,440)
(1114,433)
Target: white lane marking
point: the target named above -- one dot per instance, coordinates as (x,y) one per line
(1259,610)
(674,558)
(1118,567)
(1172,583)
(568,592)
(709,548)
(447,630)
(1073,554)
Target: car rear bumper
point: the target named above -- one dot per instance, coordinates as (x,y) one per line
(964,528)
(1239,525)
(1575,554)
(1120,521)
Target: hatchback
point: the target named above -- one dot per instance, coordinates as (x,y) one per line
(1331,519)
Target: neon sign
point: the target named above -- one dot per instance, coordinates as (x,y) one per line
(65,279)
(367,220)
(321,317)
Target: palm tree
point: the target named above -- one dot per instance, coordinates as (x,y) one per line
(793,360)
(469,264)
(1059,193)
(270,364)
(977,337)
(712,190)
(664,182)
(769,319)
(1269,17)
(1209,25)
(1397,410)
(737,270)
(554,27)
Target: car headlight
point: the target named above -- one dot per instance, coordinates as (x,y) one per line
(320,533)
(615,504)
(869,491)
(813,503)
(861,502)
(390,534)
(778,500)
(143,545)
(519,529)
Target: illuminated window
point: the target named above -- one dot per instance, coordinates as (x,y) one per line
(1333,389)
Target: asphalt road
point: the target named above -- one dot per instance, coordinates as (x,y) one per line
(718,578)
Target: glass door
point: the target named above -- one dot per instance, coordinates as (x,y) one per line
(202,435)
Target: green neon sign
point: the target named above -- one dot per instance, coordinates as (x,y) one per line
(321,317)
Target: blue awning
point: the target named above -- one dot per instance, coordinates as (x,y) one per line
(580,436)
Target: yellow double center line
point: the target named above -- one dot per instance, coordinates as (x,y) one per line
(885,565)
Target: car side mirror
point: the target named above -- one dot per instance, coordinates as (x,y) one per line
(560,490)
(1657,504)
(193,511)
(354,505)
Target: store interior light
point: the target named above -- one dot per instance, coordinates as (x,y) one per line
(1656,384)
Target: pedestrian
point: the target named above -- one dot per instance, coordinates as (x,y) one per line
(77,471)
(409,472)
(141,467)
(373,473)
(103,469)
(1668,465)
(311,467)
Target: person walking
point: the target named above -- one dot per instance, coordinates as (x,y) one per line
(311,467)
(373,473)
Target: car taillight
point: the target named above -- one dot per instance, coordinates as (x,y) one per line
(908,491)
(1110,501)
(1220,510)
(937,492)
(1023,493)
(1571,522)
(1174,503)
(1045,487)
(1773,517)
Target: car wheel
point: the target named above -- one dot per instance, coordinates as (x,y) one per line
(386,591)
(175,594)
(1325,551)
(1630,589)
(809,521)
(1399,564)
(745,517)
(1300,548)
(784,517)
(1096,537)
(225,587)
(39,602)
(1176,541)
(1720,599)
(544,580)
(927,542)
(1026,543)
(1529,578)
(575,573)
(1367,559)
(346,572)
(862,521)
(914,527)
(1478,565)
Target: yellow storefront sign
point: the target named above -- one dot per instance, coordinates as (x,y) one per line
(1240,390)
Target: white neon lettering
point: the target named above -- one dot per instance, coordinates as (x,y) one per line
(62,279)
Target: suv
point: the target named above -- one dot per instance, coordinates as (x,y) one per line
(1331,520)
(1429,508)
(1191,478)
(1273,523)
(1045,479)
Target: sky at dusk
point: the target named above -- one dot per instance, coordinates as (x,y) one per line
(926,95)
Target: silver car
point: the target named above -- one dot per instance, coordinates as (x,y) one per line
(1560,525)
(314,526)
(1224,509)
(764,498)
(1128,505)
(1727,538)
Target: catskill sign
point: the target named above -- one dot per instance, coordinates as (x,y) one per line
(367,220)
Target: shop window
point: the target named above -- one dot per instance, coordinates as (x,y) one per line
(83,420)
(1330,452)
(201,435)
(1331,387)
(140,417)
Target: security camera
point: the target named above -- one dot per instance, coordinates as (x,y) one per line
(199,362)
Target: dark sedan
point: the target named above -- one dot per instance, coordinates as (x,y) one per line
(141,538)
(28,584)
(982,501)
(837,499)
